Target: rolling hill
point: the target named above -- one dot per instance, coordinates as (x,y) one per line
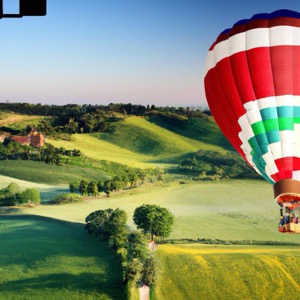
(226,210)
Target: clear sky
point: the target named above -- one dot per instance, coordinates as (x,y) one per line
(102,51)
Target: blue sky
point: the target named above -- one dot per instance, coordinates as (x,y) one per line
(102,51)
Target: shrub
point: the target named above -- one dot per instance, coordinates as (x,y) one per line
(31,194)
(66,198)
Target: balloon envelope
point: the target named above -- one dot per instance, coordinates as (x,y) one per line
(252,86)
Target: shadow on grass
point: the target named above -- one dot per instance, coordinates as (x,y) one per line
(70,258)
(83,282)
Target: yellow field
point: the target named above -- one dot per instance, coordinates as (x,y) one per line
(228,272)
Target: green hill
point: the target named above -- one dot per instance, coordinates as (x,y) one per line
(141,136)
(202,128)
(41,172)
(136,142)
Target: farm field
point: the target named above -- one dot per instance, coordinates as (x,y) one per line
(228,272)
(47,259)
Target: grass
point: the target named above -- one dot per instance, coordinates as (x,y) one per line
(17,121)
(141,136)
(43,259)
(41,172)
(102,150)
(202,129)
(228,210)
(135,142)
(228,272)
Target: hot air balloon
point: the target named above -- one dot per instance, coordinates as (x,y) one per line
(252,86)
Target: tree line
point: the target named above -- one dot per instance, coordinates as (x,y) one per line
(126,179)
(49,154)
(138,261)
(72,118)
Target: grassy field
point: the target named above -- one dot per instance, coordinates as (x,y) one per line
(228,272)
(231,210)
(102,150)
(17,121)
(141,136)
(228,210)
(135,142)
(47,259)
(41,172)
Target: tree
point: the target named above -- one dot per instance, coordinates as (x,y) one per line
(137,246)
(92,188)
(153,219)
(150,271)
(83,187)
(74,186)
(30,194)
(13,188)
(110,224)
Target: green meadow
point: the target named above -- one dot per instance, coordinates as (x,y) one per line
(42,258)
(225,210)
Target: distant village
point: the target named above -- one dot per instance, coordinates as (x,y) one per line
(34,138)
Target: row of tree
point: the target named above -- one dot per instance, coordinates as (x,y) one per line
(13,195)
(71,119)
(49,154)
(75,110)
(132,246)
(128,178)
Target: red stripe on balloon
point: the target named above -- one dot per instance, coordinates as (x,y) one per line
(242,76)
(286,166)
(219,106)
(256,24)
(258,73)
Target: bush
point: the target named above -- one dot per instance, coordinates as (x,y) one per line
(66,198)
(32,195)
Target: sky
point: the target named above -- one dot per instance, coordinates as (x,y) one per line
(116,51)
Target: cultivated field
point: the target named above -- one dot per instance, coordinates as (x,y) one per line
(228,272)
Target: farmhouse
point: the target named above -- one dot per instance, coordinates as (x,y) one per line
(34,138)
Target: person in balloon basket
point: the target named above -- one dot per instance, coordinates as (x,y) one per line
(284,222)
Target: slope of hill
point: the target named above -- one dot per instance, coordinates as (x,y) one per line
(102,150)
(228,272)
(135,142)
(141,136)
(41,172)
(203,129)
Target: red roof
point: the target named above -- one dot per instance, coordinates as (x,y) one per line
(21,139)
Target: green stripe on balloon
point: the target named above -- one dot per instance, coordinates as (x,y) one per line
(274,124)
